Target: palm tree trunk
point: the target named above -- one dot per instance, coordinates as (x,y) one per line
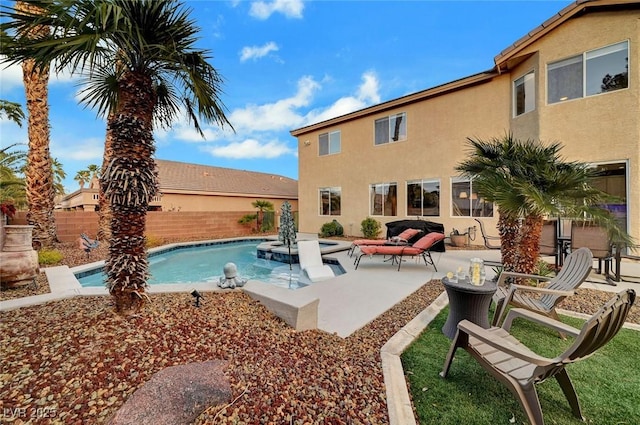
(130,182)
(529,246)
(104,213)
(39,171)
(508,228)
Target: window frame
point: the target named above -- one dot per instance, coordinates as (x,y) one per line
(422,183)
(472,196)
(331,191)
(330,142)
(583,59)
(529,87)
(402,135)
(372,195)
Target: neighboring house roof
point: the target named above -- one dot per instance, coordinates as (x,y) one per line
(507,59)
(180,176)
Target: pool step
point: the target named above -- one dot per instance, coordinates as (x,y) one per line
(298,310)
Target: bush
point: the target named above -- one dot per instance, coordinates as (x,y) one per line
(248,219)
(332,228)
(152,241)
(370,228)
(49,257)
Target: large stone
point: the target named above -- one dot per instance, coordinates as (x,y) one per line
(176,395)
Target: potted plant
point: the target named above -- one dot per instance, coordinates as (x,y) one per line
(459,239)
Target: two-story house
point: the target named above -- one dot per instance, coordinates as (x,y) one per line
(574,80)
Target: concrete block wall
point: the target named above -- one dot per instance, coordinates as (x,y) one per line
(160,224)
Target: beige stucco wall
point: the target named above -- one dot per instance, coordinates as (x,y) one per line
(218,202)
(436,135)
(595,129)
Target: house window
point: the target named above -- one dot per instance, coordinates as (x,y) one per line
(465,202)
(391,129)
(423,198)
(594,72)
(384,199)
(329,143)
(330,200)
(524,89)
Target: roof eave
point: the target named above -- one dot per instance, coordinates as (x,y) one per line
(509,56)
(469,81)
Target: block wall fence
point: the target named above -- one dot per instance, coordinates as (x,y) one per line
(160,224)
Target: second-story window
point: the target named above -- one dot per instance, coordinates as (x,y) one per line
(391,129)
(329,143)
(524,94)
(594,72)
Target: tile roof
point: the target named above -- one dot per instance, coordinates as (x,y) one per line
(183,176)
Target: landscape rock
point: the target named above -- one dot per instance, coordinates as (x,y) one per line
(176,395)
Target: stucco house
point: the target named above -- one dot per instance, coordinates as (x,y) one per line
(574,79)
(194,187)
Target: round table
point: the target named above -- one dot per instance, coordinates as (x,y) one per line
(467,301)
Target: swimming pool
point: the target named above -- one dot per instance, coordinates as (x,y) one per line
(203,263)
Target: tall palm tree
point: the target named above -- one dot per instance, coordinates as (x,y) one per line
(12,186)
(58,176)
(39,172)
(161,73)
(528,181)
(262,206)
(82,177)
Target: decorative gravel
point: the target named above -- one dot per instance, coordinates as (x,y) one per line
(75,361)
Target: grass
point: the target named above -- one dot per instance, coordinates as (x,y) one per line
(607,383)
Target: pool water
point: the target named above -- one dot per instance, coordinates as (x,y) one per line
(204,264)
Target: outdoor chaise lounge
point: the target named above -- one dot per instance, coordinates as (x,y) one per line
(575,270)
(402,239)
(520,369)
(311,261)
(421,248)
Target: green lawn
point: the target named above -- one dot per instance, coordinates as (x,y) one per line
(608,383)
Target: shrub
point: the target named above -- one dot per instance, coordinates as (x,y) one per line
(370,228)
(248,219)
(153,241)
(49,257)
(332,228)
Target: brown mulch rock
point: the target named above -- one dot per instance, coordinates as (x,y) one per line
(176,395)
(77,362)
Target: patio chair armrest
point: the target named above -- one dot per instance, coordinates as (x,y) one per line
(541,290)
(516,313)
(505,275)
(488,338)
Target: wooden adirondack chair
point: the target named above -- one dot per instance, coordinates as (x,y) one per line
(520,369)
(575,270)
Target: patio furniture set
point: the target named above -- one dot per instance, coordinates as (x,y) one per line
(508,359)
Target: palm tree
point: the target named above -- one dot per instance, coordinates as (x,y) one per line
(12,186)
(528,181)
(82,177)
(12,110)
(262,206)
(58,176)
(39,172)
(161,72)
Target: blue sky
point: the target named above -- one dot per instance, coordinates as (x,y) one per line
(287,64)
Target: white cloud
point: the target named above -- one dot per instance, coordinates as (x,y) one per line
(250,149)
(281,115)
(91,149)
(289,8)
(11,76)
(367,94)
(256,52)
